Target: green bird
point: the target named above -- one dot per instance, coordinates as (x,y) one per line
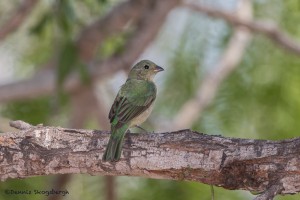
(132,106)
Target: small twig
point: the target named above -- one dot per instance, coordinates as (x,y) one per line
(19,124)
(271,30)
(270,193)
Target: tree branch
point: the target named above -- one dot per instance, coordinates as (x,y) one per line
(20,125)
(268,29)
(114,22)
(232,56)
(253,165)
(44,83)
(17,18)
(270,193)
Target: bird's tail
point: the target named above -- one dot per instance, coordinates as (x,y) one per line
(114,147)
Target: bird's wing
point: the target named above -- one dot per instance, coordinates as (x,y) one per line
(134,97)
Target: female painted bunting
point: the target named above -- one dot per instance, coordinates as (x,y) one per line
(132,106)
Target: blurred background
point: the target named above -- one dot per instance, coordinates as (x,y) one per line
(63,61)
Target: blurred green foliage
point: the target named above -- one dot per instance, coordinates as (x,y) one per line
(113,45)
(260,99)
(30,184)
(34,111)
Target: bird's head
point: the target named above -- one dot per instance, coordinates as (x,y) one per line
(144,70)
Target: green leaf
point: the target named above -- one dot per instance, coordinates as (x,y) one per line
(102,1)
(39,27)
(113,45)
(65,15)
(68,10)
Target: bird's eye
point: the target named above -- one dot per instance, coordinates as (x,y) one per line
(146,66)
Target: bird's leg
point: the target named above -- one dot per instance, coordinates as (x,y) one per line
(141,128)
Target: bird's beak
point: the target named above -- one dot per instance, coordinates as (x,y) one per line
(158,69)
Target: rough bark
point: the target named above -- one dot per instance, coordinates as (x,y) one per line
(271,167)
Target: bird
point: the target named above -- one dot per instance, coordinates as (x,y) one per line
(132,106)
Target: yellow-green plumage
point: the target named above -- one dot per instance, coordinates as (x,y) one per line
(132,106)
